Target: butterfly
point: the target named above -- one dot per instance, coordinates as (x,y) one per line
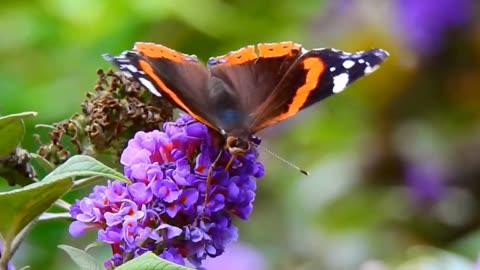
(245,91)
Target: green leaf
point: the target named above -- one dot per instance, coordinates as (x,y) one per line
(81,165)
(42,162)
(22,206)
(150,261)
(84,260)
(11,131)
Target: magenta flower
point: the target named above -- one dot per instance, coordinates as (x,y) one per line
(163,210)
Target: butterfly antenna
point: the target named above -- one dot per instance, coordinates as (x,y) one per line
(283,160)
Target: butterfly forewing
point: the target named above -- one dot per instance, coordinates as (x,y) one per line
(165,72)
(251,75)
(316,75)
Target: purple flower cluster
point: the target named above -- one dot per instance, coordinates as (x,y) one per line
(164,209)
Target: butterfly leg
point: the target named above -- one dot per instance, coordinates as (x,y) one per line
(229,162)
(209,178)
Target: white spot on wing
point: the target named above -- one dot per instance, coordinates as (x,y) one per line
(149,86)
(340,82)
(361,61)
(348,64)
(370,69)
(332,69)
(381,53)
(131,68)
(358,54)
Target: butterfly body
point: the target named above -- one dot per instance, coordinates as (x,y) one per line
(245,91)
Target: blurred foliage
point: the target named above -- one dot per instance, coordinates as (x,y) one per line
(395,160)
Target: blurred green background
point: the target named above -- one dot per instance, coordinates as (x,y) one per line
(394,160)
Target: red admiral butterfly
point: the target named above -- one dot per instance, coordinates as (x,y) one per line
(247,90)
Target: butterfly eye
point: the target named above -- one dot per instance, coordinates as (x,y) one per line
(255,140)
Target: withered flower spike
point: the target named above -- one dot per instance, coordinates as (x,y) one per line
(115,109)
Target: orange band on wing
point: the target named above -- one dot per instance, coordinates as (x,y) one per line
(239,57)
(160,51)
(147,68)
(314,67)
(277,49)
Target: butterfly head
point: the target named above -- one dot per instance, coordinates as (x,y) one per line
(236,145)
